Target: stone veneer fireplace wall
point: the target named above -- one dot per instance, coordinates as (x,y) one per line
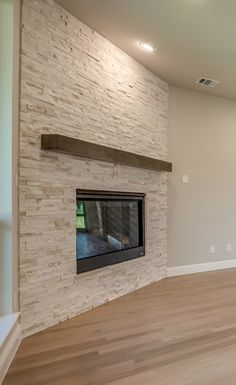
(76,83)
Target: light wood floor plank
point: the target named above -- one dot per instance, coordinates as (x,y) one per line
(180,331)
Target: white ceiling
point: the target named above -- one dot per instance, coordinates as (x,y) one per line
(195,38)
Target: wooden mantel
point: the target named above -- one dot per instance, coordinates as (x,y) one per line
(81,148)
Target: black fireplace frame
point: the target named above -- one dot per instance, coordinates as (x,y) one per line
(102,260)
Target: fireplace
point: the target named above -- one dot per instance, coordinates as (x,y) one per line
(109,228)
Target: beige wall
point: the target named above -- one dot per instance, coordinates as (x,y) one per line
(202,138)
(9,127)
(15,150)
(6,69)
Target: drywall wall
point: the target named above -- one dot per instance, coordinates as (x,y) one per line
(6,68)
(201,213)
(75,82)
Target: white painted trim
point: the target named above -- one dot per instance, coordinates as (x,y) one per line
(9,350)
(201,267)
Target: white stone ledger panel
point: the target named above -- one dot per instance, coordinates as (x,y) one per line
(76,83)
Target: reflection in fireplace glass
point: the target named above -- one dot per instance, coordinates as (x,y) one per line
(107,225)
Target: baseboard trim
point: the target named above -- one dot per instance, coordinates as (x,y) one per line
(200,268)
(9,350)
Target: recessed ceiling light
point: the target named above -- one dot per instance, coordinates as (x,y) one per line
(148,46)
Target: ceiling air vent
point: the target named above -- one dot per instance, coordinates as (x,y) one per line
(207,82)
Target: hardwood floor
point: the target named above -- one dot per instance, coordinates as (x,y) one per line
(181,331)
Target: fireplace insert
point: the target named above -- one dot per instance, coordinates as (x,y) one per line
(109,228)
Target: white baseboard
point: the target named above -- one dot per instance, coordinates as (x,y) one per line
(201,267)
(9,349)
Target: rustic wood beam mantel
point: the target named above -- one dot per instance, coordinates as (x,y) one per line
(83,149)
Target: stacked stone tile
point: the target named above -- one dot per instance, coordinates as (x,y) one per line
(76,83)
